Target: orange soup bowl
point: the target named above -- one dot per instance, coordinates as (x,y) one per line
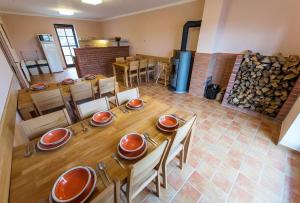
(135,103)
(132,155)
(102,117)
(39,86)
(168,121)
(54,136)
(68,81)
(71,184)
(132,142)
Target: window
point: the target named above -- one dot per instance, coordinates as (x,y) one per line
(67,40)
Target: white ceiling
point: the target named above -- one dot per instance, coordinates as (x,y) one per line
(108,9)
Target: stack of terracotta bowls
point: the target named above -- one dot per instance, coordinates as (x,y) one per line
(89,77)
(167,123)
(74,185)
(54,139)
(39,86)
(101,118)
(135,104)
(68,81)
(132,146)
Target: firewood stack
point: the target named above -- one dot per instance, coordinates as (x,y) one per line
(263,83)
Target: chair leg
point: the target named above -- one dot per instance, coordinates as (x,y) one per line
(157,184)
(130,80)
(164,175)
(181,159)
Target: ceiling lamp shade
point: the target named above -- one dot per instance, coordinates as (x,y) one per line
(92,2)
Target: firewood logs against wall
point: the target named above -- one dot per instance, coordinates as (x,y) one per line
(263,83)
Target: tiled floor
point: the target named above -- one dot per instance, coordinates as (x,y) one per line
(233,157)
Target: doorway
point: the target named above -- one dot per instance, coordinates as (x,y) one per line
(68,41)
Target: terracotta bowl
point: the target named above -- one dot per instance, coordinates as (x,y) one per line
(135,103)
(38,86)
(71,184)
(169,130)
(89,76)
(54,136)
(132,142)
(132,155)
(86,193)
(168,121)
(102,117)
(68,81)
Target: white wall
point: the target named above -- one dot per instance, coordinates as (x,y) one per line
(290,127)
(6,75)
(267,26)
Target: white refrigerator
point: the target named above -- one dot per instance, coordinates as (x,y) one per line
(50,52)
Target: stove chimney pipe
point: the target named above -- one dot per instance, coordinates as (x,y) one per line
(185,32)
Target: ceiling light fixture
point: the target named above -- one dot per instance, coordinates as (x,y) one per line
(92,2)
(66,12)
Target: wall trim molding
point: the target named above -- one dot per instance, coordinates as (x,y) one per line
(103,19)
(148,10)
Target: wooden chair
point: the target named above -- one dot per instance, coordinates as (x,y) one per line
(47,101)
(130,58)
(89,108)
(110,194)
(123,97)
(133,71)
(107,87)
(151,69)
(36,127)
(163,72)
(145,171)
(179,145)
(120,60)
(143,70)
(81,91)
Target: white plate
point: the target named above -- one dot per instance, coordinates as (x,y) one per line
(133,158)
(62,144)
(101,125)
(92,190)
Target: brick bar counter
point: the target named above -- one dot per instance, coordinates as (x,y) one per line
(98,60)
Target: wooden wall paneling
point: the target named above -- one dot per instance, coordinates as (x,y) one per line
(7,129)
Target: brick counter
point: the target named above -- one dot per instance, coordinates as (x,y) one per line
(98,60)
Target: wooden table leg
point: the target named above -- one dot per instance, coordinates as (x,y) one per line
(114,70)
(126,77)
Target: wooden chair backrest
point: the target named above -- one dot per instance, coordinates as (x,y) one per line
(120,60)
(134,65)
(81,91)
(110,194)
(36,127)
(143,64)
(123,97)
(130,58)
(107,85)
(89,108)
(152,62)
(182,133)
(142,168)
(47,100)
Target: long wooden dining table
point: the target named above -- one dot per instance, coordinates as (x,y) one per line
(25,103)
(32,178)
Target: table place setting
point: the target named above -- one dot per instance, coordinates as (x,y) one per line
(167,123)
(102,118)
(75,185)
(54,139)
(38,86)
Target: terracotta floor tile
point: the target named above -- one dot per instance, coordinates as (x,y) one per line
(222,182)
(238,195)
(187,194)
